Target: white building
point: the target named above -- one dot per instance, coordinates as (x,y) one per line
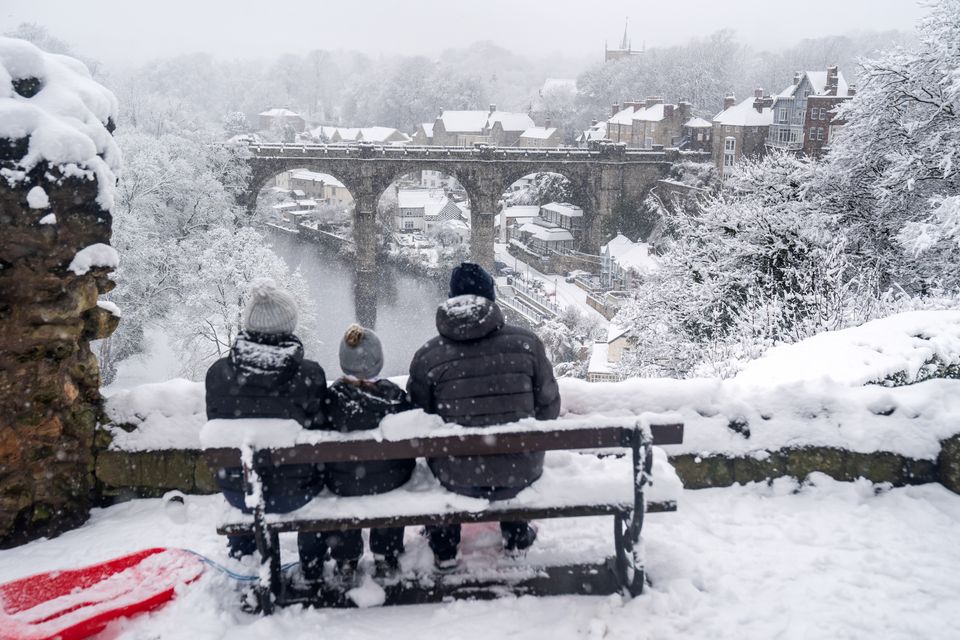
(425,210)
(623,261)
(512,218)
(607,355)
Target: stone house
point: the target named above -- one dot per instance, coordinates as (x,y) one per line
(697,135)
(382,135)
(464,128)
(657,123)
(741,130)
(541,137)
(803,112)
(623,261)
(645,123)
(321,187)
(280,118)
(596,132)
(423,134)
(424,210)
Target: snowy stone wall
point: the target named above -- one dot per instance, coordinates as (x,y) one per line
(57,163)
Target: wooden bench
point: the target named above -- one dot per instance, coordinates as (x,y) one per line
(422,501)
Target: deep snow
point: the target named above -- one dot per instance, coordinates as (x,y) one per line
(825,560)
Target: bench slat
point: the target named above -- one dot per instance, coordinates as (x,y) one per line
(372,449)
(488,515)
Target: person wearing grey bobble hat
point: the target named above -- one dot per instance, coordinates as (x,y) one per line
(356,402)
(266,376)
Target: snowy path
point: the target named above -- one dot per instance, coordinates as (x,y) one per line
(833,560)
(568,294)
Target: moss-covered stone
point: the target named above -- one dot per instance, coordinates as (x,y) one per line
(879,466)
(948,463)
(205,479)
(702,472)
(801,462)
(152,471)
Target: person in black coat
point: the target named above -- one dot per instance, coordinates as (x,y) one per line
(266,376)
(357,402)
(480,372)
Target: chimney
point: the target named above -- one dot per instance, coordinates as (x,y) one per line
(685,109)
(833,77)
(758,92)
(547,125)
(796,77)
(729,101)
(493,107)
(652,100)
(668,111)
(614,108)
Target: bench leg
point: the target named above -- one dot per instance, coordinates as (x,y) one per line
(629,568)
(628,526)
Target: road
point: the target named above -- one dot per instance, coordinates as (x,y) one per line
(568,294)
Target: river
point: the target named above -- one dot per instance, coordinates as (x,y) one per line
(405,305)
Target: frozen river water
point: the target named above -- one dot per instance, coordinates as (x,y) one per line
(405,305)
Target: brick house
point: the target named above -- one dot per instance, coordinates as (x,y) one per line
(741,130)
(803,112)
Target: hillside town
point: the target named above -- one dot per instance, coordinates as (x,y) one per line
(409,319)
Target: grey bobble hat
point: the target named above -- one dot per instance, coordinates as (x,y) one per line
(361,354)
(270,309)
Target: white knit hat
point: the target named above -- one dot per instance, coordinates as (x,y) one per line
(270,309)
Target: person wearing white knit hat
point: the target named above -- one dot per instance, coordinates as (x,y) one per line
(266,376)
(270,309)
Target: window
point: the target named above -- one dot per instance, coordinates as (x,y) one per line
(729,151)
(783,115)
(408,224)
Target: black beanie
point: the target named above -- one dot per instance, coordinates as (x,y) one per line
(471,279)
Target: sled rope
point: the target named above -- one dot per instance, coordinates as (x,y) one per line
(240,577)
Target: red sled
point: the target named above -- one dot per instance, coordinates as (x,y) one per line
(74,604)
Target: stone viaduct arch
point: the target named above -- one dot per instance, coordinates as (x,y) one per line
(600,178)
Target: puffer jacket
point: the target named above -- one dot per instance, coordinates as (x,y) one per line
(266,376)
(359,405)
(481,372)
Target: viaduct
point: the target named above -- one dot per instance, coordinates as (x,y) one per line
(599,177)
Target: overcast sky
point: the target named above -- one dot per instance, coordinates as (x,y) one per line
(132,31)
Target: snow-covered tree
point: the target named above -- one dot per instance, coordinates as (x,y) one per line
(186,254)
(215,288)
(755,264)
(894,169)
(542,189)
(235,123)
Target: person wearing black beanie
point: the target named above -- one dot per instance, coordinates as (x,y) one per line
(480,371)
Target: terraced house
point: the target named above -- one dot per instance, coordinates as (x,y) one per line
(804,112)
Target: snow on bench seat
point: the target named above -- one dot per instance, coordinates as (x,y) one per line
(264,433)
(586,483)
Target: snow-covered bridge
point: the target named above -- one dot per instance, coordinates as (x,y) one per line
(600,178)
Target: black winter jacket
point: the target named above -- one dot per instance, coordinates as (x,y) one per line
(266,376)
(359,405)
(481,372)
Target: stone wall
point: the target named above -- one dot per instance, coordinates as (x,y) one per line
(147,474)
(49,379)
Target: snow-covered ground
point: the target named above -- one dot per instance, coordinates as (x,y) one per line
(822,560)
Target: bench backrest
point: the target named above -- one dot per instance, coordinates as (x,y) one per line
(473,441)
